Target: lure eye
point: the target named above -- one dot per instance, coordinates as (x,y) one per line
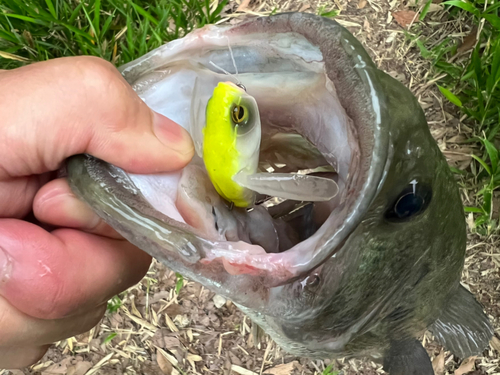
(238,114)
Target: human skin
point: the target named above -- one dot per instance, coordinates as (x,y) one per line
(59,262)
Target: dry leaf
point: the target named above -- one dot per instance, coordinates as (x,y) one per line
(362,4)
(438,363)
(58,368)
(469,41)
(466,366)
(242,371)
(435,8)
(304,7)
(405,17)
(366,26)
(164,364)
(11,56)
(243,6)
(495,343)
(80,368)
(284,369)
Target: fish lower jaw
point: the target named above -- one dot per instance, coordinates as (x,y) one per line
(241,258)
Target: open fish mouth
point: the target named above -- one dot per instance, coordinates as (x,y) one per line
(321,106)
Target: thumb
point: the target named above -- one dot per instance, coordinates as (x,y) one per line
(55,109)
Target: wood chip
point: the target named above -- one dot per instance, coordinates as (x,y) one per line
(347,23)
(219,301)
(435,8)
(80,368)
(466,366)
(170,324)
(169,357)
(304,7)
(438,363)
(165,365)
(405,17)
(142,322)
(495,343)
(243,6)
(284,369)
(242,371)
(58,368)
(99,364)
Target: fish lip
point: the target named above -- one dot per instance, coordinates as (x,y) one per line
(278,269)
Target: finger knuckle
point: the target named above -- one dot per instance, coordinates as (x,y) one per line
(104,84)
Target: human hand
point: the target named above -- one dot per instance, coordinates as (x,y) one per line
(54,285)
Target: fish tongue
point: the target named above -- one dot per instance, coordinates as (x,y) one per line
(259,226)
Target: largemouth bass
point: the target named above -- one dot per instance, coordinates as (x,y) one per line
(362,274)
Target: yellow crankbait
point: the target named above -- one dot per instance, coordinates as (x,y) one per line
(231,141)
(231,146)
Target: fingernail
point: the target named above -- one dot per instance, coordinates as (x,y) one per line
(172,135)
(5,266)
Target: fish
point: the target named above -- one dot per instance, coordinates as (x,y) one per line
(363,274)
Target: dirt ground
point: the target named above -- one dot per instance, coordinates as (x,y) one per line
(157,331)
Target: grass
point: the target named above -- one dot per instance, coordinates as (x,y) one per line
(468,76)
(116,30)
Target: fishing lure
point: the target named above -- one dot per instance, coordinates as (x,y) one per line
(231,145)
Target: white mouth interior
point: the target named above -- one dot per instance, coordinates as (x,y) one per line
(286,75)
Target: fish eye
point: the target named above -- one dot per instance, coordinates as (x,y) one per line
(408,205)
(411,202)
(238,114)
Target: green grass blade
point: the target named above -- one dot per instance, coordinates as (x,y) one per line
(78,32)
(144,13)
(97,13)
(492,153)
(52,10)
(425,10)
(483,163)
(450,96)
(493,19)
(495,64)
(473,209)
(107,24)
(75,13)
(179,283)
(331,14)
(26,18)
(468,7)
(490,9)
(109,338)
(8,36)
